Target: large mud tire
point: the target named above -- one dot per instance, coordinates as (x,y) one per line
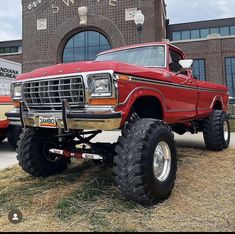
(216,131)
(141,144)
(33,155)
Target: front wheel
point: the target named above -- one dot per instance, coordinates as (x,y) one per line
(34,156)
(216,131)
(145,161)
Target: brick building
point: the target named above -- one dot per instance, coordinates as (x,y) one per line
(11,50)
(212,46)
(58,31)
(70,30)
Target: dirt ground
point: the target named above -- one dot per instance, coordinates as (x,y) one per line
(85,198)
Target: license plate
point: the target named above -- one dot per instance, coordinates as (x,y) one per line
(49,122)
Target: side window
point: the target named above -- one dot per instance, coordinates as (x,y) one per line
(174,61)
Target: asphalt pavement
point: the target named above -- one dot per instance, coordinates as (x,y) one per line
(8,154)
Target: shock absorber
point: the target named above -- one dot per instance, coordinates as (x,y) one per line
(78,155)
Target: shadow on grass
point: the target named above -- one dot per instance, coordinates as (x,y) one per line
(95,201)
(18,190)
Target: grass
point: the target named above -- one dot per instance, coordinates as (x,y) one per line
(85,198)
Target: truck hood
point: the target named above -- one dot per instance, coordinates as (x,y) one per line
(94,66)
(116,66)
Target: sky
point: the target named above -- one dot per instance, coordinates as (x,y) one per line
(178,11)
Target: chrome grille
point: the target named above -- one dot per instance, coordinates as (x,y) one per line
(48,94)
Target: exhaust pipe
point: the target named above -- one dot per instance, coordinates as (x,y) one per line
(77,155)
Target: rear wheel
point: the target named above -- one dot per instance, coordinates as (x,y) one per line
(216,131)
(34,156)
(145,161)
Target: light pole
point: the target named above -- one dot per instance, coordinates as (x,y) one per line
(139,21)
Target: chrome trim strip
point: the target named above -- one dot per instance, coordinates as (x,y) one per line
(139,88)
(211,90)
(163,83)
(84,74)
(213,101)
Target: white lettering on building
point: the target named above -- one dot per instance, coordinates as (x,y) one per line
(67,2)
(112,2)
(55,9)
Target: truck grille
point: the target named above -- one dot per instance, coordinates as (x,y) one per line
(48,94)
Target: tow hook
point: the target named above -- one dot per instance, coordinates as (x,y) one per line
(78,155)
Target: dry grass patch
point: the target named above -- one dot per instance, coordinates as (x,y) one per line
(85,198)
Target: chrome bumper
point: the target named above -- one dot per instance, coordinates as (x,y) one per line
(68,120)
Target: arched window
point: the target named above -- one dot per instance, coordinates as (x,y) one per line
(84,46)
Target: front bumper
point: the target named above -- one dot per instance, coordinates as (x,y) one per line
(68,120)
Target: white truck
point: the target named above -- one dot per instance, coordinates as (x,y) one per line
(8,72)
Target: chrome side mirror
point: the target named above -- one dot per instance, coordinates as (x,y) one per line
(186,64)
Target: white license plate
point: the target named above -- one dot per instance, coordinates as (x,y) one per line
(49,122)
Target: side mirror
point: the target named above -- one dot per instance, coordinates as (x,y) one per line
(186,64)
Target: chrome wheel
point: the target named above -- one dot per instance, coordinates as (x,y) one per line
(162,161)
(226,131)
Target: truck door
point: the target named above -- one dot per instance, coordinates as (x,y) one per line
(185,95)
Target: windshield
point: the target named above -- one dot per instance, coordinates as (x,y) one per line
(148,56)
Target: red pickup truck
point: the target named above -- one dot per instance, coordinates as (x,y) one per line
(146,90)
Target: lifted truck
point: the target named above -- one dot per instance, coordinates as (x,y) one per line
(146,90)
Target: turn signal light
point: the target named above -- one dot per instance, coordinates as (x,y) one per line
(17,104)
(103,101)
(124,77)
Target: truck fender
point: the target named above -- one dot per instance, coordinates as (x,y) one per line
(126,106)
(217,99)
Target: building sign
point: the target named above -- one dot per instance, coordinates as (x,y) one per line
(8,72)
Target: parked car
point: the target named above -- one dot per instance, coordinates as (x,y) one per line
(8,72)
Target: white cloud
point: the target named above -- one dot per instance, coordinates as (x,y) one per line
(10,20)
(181,11)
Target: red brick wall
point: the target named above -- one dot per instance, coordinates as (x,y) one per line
(214,51)
(45,47)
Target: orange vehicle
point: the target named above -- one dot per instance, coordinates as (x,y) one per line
(8,72)
(5,105)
